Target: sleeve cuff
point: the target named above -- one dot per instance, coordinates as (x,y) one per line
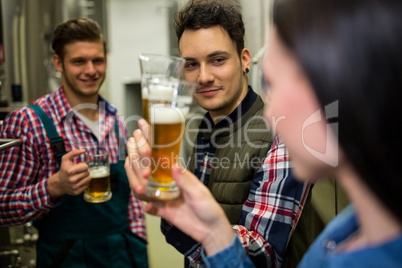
(231,256)
(47,203)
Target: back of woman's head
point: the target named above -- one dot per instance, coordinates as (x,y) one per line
(351,52)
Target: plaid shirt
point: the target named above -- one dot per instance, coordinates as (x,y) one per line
(270,213)
(272,210)
(25,170)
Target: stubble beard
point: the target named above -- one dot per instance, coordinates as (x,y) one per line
(233,100)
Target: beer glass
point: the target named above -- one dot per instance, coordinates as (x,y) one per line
(98,190)
(169,103)
(161,66)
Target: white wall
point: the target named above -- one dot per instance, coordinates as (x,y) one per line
(257,21)
(134,27)
(160,253)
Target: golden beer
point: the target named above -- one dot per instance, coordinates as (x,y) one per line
(169,102)
(167,124)
(98,189)
(168,138)
(145,109)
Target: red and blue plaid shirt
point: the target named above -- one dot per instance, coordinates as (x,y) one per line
(272,209)
(270,213)
(25,170)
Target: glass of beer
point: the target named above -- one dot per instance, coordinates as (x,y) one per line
(98,190)
(169,102)
(161,66)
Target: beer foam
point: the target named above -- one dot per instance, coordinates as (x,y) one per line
(97,172)
(167,93)
(160,92)
(166,115)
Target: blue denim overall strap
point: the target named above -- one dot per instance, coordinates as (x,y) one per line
(82,234)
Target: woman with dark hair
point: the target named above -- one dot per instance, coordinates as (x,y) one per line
(334,72)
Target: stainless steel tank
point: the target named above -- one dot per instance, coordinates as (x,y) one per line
(27,28)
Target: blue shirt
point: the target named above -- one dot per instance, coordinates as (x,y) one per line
(232,256)
(323,251)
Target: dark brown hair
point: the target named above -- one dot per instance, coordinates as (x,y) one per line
(199,14)
(73,30)
(351,52)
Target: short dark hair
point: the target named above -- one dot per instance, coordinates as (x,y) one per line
(199,14)
(351,52)
(73,30)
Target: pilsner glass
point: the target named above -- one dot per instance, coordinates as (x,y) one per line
(161,66)
(169,103)
(98,190)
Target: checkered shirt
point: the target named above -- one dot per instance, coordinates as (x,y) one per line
(25,170)
(270,213)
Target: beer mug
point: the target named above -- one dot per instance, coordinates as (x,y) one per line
(98,190)
(169,103)
(161,66)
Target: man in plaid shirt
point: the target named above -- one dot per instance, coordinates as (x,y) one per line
(233,155)
(35,187)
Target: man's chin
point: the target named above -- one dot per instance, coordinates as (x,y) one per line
(211,107)
(89,94)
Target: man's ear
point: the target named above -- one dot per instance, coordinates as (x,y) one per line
(57,62)
(245,58)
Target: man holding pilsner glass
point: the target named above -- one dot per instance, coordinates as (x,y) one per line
(169,101)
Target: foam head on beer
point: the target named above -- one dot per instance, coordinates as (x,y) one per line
(161,114)
(167,122)
(97,172)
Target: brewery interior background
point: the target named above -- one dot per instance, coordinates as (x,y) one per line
(131,27)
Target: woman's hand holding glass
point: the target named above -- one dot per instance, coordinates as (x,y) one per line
(195,212)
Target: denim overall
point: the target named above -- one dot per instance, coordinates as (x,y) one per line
(81,234)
